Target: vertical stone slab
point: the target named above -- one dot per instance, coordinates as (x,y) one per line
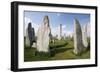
(43,36)
(27,41)
(78,44)
(84,36)
(30,35)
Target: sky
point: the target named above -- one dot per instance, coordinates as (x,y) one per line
(55,19)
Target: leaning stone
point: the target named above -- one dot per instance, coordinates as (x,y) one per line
(78,44)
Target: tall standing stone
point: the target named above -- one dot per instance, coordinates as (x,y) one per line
(59,32)
(27,41)
(78,44)
(84,36)
(43,36)
(30,35)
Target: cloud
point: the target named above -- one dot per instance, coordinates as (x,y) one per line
(54,30)
(66,32)
(58,14)
(27,20)
(63,26)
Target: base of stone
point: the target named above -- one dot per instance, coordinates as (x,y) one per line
(81,52)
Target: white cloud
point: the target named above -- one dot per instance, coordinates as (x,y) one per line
(66,32)
(58,14)
(27,20)
(54,30)
(63,26)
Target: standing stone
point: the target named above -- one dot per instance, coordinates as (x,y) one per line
(43,36)
(27,41)
(34,45)
(59,32)
(30,35)
(84,36)
(78,44)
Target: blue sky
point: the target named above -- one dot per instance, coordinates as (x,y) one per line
(66,19)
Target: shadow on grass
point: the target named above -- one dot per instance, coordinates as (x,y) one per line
(55,51)
(57,46)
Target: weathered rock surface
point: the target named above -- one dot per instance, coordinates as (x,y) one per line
(78,43)
(43,36)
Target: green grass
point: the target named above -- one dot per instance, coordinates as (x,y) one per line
(60,50)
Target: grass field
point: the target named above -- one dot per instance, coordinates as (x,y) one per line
(60,50)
